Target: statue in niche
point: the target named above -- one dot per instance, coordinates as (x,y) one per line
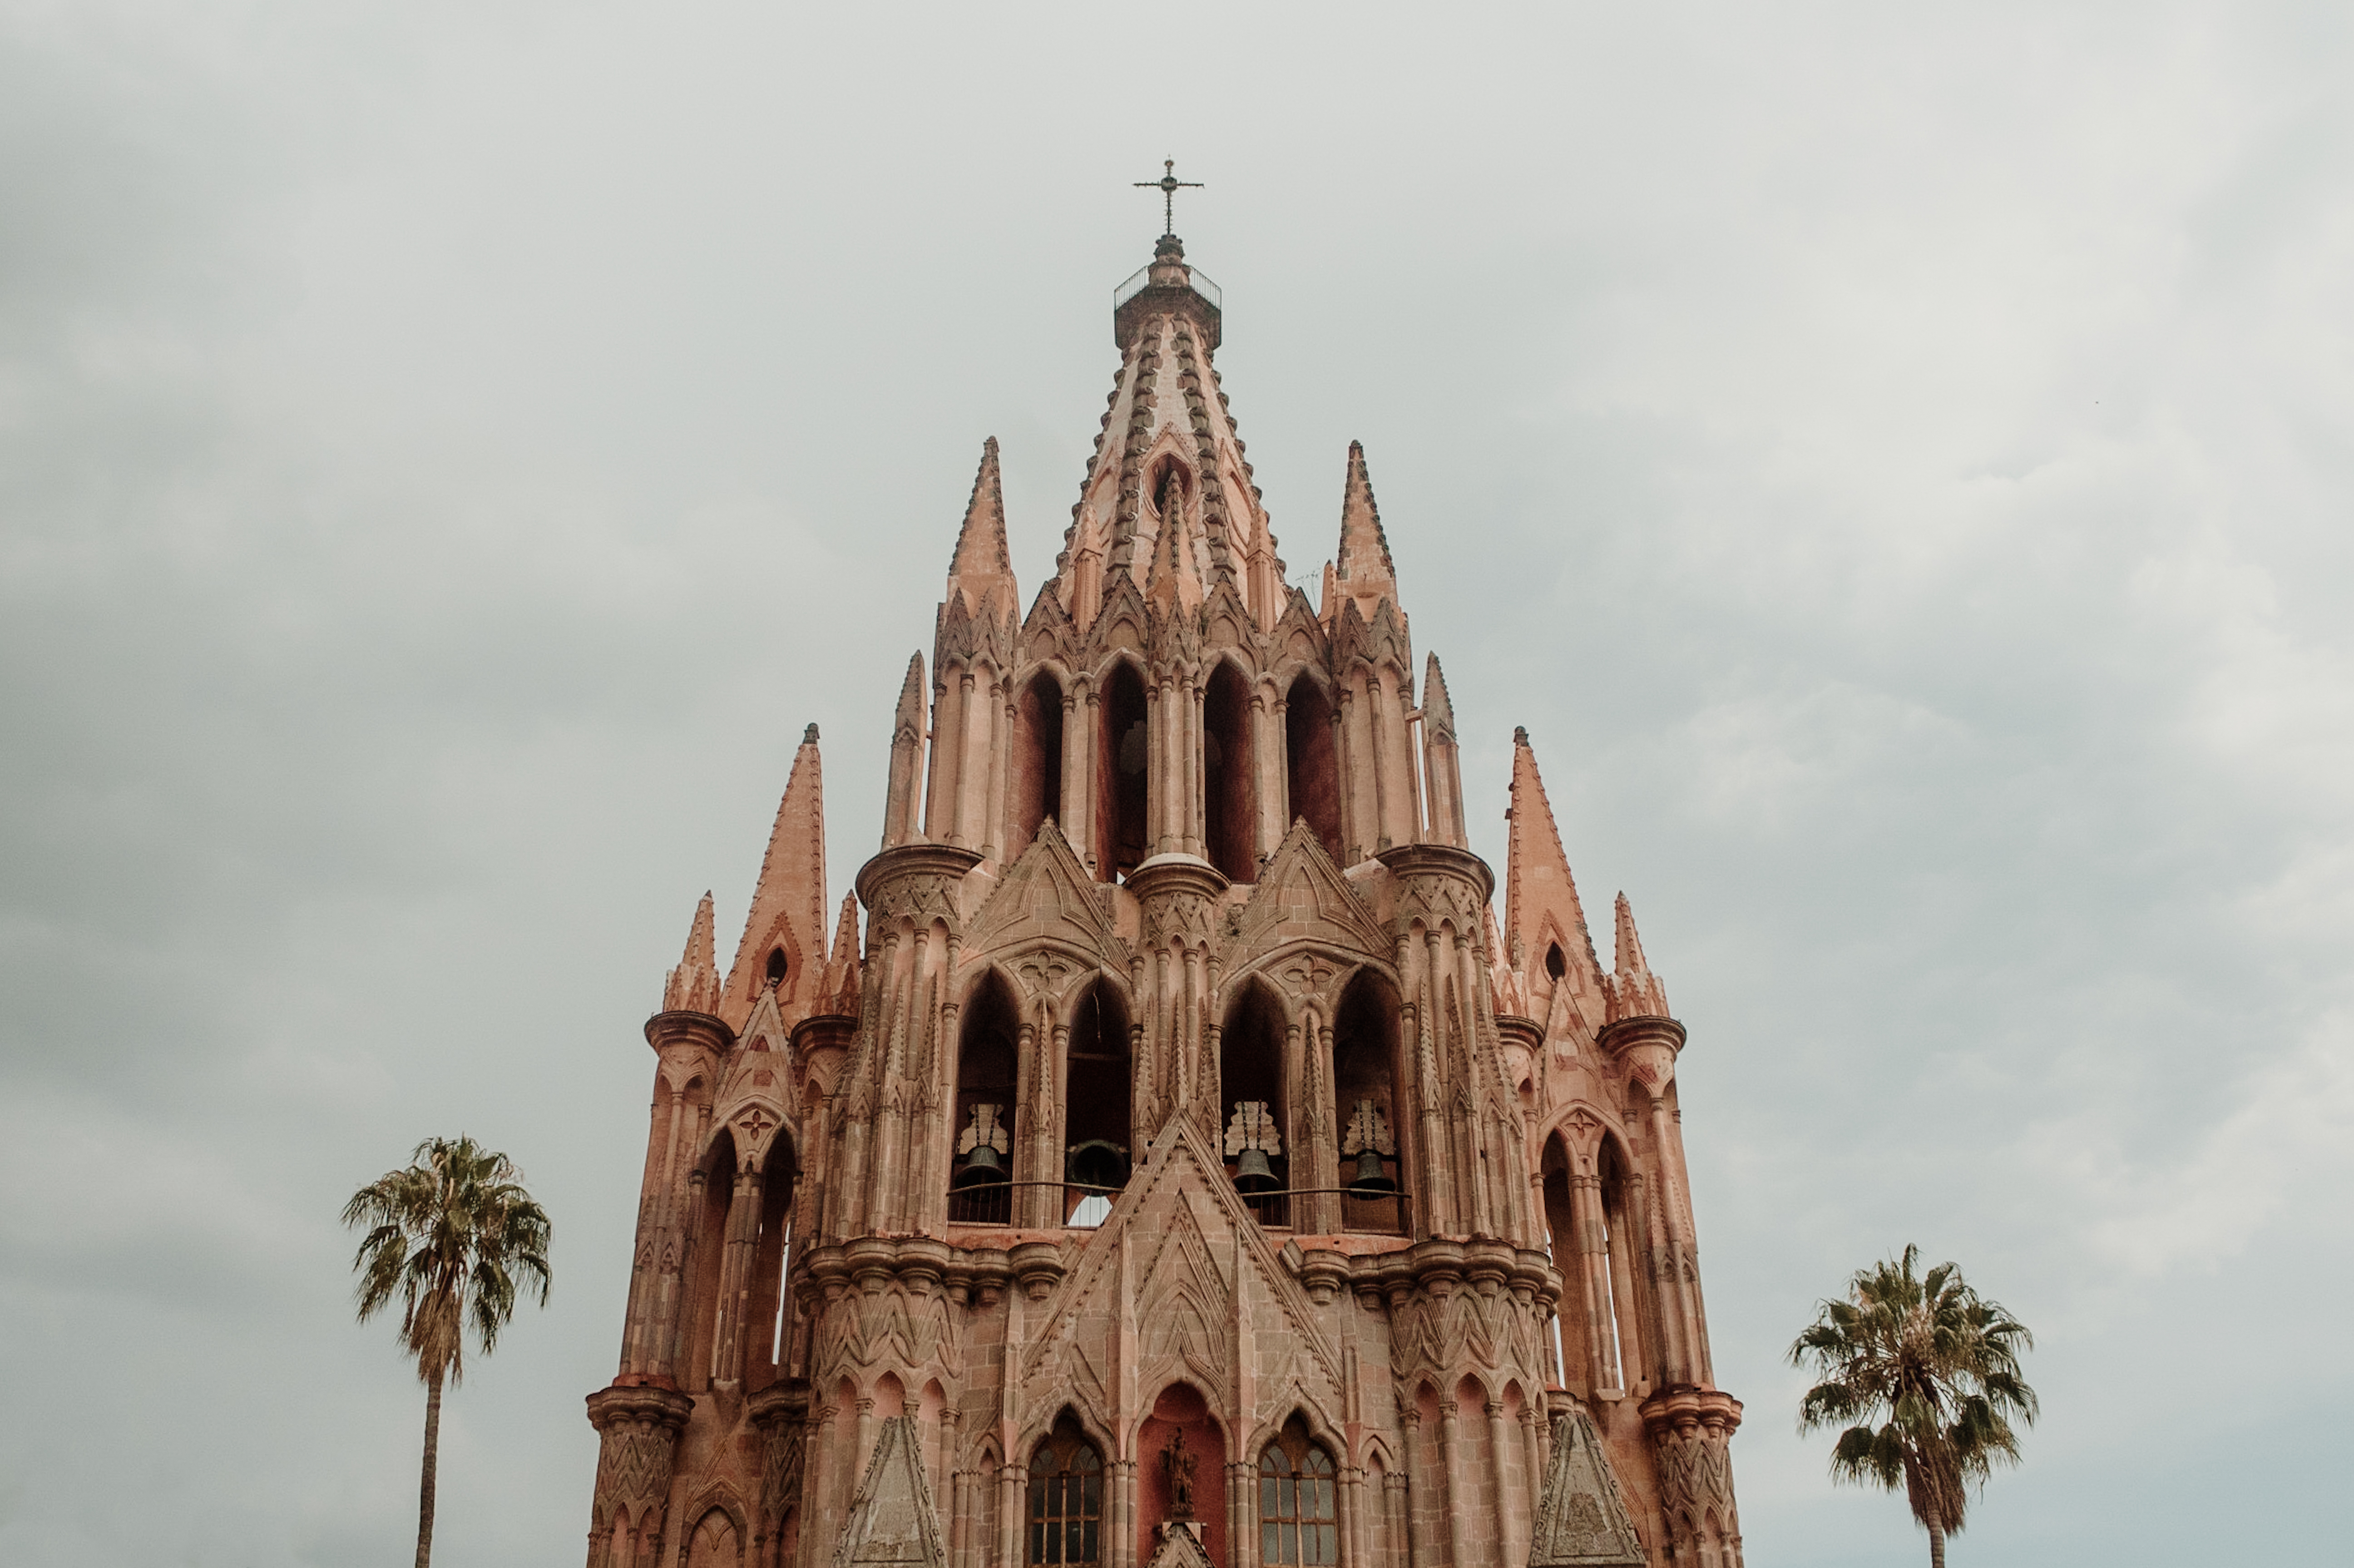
(1179,1464)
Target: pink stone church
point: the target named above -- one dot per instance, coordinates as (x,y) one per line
(1186,1164)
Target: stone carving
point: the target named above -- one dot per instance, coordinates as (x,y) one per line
(634,1467)
(1368,1129)
(892,1519)
(1695,1473)
(1582,1519)
(1253,1127)
(1241,808)
(780,1470)
(1179,1465)
(986,1129)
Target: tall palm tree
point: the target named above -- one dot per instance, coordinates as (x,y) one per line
(449,1235)
(1928,1371)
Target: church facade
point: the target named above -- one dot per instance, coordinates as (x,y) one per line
(1185,1162)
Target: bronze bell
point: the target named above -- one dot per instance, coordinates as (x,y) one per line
(1371,1181)
(1253,1173)
(981,1168)
(1100,1164)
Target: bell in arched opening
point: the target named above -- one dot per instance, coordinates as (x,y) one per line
(1099,1165)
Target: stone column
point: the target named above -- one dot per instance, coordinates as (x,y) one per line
(1353,837)
(1077,825)
(1398,1507)
(1458,1500)
(1510,1547)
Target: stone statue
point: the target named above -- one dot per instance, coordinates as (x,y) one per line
(1180,1465)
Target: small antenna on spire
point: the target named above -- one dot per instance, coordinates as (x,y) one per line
(1169,184)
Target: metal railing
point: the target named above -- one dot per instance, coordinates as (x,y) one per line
(991,1203)
(1141,279)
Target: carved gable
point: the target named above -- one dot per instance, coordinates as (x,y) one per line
(1047,899)
(1582,1522)
(1197,1272)
(1302,898)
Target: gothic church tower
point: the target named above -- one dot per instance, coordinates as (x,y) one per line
(1187,1164)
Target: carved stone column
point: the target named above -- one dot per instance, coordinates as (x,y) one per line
(638,1430)
(1692,1431)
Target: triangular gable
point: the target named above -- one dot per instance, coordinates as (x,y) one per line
(1301,896)
(1298,634)
(1582,1522)
(1172,1209)
(1046,895)
(1179,1548)
(892,1519)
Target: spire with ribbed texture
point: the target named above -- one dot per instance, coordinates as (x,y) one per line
(982,567)
(1361,572)
(1542,909)
(1635,990)
(789,901)
(1167,411)
(693,986)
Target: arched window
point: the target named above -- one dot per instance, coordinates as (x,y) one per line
(1037,782)
(712,1189)
(1312,768)
(1229,781)
(1298,1522)
(1122,752)
(1096,1130)
(778,965)
(1555,965)
(1066,1498)
(982,1160)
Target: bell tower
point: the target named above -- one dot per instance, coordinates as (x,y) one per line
(1185,1162)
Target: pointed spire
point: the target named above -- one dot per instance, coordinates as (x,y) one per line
(1362,572)
(1442,764)
(693,986)
(845,931)
(982,569)
(1635,990)
(903,798)
(787,911)
(1438,708)
(1174,576)
(1542,908)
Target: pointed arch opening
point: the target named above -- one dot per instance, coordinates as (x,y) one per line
(778,967)
(1229,778)
(1122,754)
(1096,1120)
(1365,1076)
(1035,787)
(1299,1501)
(1066,1497)
(1618,1205)
(982,1163)
(1561,1244)
(1312,768)
(716,1542)
(771,1321)
(712,1191)
(1253,1114)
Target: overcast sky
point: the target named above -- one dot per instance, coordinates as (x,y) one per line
(1895,463)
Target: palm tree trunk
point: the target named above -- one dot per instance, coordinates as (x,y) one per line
(1937,1548)
(425,1485)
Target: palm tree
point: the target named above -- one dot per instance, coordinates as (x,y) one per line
(449,1235)
(1928,1372)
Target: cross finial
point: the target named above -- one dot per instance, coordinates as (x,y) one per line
(1169,184)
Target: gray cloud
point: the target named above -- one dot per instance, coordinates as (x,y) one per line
(1895,466)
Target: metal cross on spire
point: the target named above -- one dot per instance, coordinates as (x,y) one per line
(1169,184)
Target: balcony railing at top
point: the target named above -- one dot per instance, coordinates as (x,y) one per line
(1142,279)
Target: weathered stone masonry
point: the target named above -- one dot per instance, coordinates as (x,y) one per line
(1188,1162)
